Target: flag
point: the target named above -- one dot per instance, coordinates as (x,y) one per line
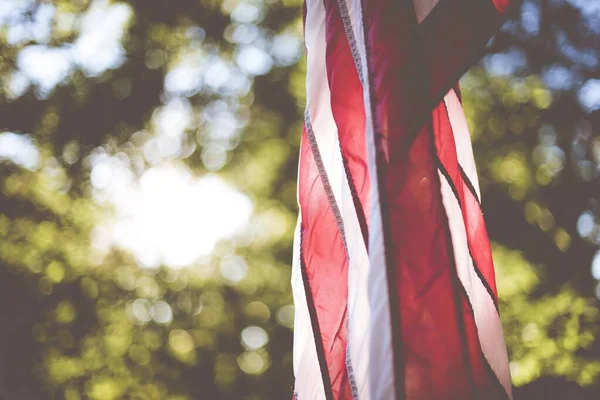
(392,274)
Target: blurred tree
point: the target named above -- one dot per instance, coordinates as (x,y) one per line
(95,95)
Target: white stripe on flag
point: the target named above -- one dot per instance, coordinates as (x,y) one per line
(348,13)
(318,98)
(368,287)
(464,148)
(309,382)
(423,8)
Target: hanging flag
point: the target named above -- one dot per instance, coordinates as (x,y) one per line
(392,275)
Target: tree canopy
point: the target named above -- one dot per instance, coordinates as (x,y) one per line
(148,162)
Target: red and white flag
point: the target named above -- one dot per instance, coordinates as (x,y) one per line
(392,277)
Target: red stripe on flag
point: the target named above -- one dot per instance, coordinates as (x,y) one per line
(348,109)
(477,237)
(326,271)
(502,5)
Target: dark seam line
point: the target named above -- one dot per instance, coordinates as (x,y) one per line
(350,370)
(350,37)
(458,93)
(360,212)
(396,333)
(314,147)
(315,324)
(464,175)
(469,185)
(485,283)
(463,292)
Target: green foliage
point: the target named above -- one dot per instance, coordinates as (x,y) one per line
(94,322)
(546,334)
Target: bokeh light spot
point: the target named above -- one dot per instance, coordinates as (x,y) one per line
(161,313)
(254,337)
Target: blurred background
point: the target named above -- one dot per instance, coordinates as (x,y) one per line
(148,162)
